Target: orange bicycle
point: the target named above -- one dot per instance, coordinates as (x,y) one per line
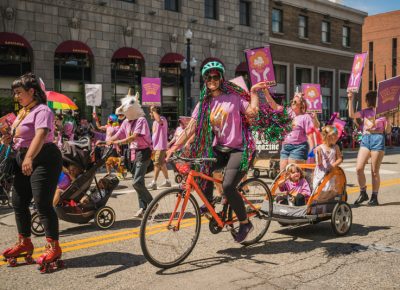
(171,224)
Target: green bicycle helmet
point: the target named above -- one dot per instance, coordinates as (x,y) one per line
(212,65)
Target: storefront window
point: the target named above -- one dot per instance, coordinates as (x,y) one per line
(343,111)
(326,82)
(15,60)
(72,70)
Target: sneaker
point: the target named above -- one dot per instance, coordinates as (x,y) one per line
(152,185)
(166,183)
(139,213)
(361,198)
(373,201)
(243,233)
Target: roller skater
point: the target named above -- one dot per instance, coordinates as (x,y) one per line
(22,248)
(51,258)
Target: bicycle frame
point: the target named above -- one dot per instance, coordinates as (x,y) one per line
(192,184)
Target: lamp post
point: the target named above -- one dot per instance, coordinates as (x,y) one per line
(189,67)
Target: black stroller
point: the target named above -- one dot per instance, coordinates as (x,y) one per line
(6,174)
(70,208)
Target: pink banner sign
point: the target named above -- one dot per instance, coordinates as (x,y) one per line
(356,72)
(6,122)
(388,95)
(312,94)
(260,66)
(151,91)
(239,81)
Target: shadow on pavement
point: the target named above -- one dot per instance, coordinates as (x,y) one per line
(390,203)
(313,237)
(87,228)
(122,260)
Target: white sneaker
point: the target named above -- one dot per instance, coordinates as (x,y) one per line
(166,183)
(152,185)
(139,213)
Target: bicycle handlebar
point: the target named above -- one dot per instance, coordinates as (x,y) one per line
(193,160)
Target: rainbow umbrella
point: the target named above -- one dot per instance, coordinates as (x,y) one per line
(58,101)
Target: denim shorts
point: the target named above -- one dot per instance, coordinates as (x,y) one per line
(295,151)
(373,142)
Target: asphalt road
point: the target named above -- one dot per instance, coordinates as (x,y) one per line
(305,257)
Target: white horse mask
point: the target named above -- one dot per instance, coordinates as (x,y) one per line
(130,107)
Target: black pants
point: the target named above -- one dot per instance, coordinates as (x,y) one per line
(232,177)
(139,169)
(40,186)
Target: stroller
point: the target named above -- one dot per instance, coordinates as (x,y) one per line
(321,206)
(69,207)
(6,175)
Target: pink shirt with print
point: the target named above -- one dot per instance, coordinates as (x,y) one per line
(139,126)
(370,123)
(226,119)
(302,125)
(160,134)
(39,117)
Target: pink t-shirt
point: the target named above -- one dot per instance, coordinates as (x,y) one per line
(370,123)
(111,131)
(301,126)
(160,134)
(178,132)
(294,188)
(226,119)
(39,117)
(140,126)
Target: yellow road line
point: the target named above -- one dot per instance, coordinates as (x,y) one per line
(134,233)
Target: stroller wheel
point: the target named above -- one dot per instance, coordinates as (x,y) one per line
(105,217)
(36,226)
(178,178)
(342,218)
(256,173)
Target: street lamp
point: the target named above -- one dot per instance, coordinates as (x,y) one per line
(189,71)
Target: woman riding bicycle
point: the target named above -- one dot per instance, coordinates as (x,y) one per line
(221,128)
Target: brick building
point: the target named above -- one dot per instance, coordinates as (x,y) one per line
(115,43)
(315,42)
(381,36)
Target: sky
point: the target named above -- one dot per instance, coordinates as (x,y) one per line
(373,6)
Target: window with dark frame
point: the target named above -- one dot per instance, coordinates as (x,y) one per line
(326,31)
(244,11)
(277,21)
(394,57)
(303,26)
(346,36)
(171,5)
(130,1)
(210,7)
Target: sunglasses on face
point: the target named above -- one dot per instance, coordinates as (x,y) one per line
(212,78)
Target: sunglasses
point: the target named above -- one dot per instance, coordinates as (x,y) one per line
(212,78)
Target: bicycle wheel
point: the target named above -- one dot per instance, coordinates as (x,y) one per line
(256,192)
(164,246)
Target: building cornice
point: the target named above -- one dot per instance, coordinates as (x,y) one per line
(328,8)
(318,48)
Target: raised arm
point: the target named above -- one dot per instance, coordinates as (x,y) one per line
(183,137)
(352,114)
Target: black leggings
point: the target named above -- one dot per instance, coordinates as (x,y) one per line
(41,185)
(231,180)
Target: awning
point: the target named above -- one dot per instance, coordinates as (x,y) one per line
(13,39)
(208,59)
(73,46)
(172,58)
(242,68)
(127,52)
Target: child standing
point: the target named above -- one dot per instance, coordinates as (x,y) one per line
(295,186)
(328,156)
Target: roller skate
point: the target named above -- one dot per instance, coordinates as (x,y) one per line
(51,258)
(22,249)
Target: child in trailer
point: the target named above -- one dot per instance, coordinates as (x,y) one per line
(295,187)
(327,157)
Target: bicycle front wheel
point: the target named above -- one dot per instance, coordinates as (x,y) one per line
(255,192)
(163,242)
